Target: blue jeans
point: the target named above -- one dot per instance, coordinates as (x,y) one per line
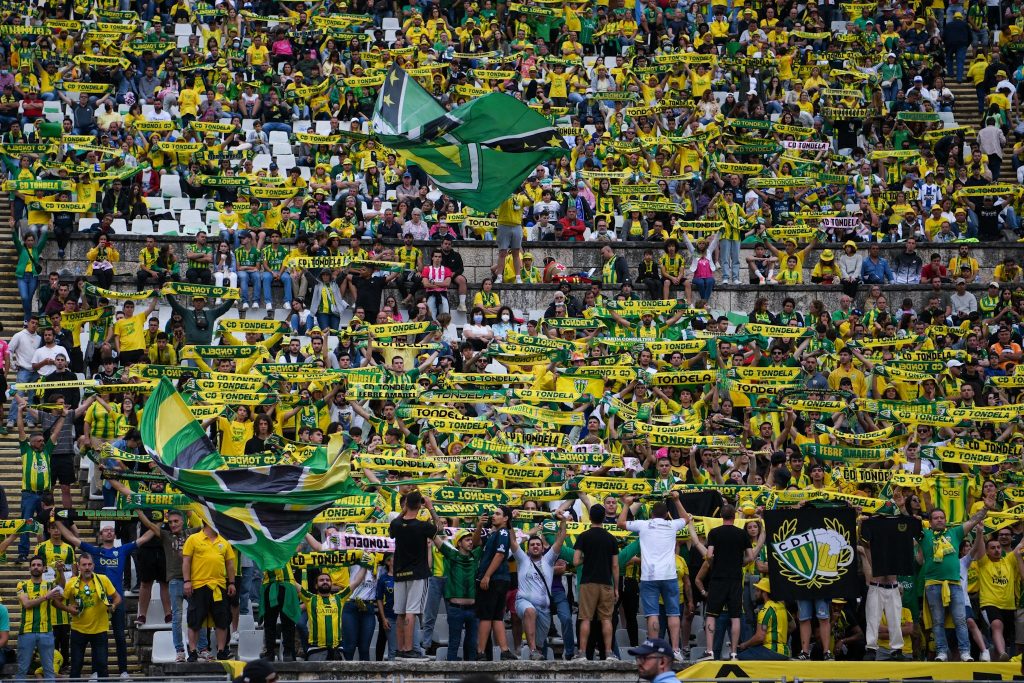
(326,321)
(97,643)
(31,503)
(759,653)
(275,126)
(704,286)
(956,56)
(23,377)
(252,581)
(268,279)
(561,603)
(176,591)
(28,643)
(461,619)
(232,238)
(357,629)
(933,596)
(889,93)
(244,278)
(119,623)
(650,592)
(729,253)
(299,327)
(392,638)
(27,285)
(435,591)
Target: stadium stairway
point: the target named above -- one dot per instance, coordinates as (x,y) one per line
(965,111)
(10,463)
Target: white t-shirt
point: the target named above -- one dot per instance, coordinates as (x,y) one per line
(657,547)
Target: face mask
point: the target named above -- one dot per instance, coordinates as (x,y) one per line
(505,318)
(478,319)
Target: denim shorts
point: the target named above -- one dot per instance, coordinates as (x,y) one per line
(806,609)
(667,590)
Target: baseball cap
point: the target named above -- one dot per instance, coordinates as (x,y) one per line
(960,281)
(953,363)
(652,646)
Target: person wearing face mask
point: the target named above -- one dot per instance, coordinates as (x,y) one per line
(506,323)
(477,333)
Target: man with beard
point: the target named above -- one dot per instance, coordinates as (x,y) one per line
(323,610)
(36,633)
(654,661)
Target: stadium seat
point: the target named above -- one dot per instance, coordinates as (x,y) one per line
(163,647)
(183,29)
(213,220)
(246,622)
(168,227)
(609,62)
(250,643)
(277,136)
(170,186)
(322,127)
(389,36)
(193,229)
(189,217)
(839,26)
(947,119)
(155,616)
(285,162)
(279,149)
(179,204)
(119,226)
(390,24)
(261,161)
(87,224)
(156,203)
(302,126)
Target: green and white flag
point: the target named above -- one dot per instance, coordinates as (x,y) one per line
(478,153)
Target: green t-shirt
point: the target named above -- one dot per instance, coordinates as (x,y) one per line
(460,572)
(35,468)
(947,568)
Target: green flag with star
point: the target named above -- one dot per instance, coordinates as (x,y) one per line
(478,153)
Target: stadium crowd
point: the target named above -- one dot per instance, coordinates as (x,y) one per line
(565,473)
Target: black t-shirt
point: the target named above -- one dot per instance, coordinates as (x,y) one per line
(411,536)
(369,291)
(730,542)
(598,548)
(891,540)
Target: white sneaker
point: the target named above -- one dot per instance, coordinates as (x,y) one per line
(985,656)
(966,657)
(234,638)
(245,306)
(678,656)
(519,280)
(270,306)
(942,657)
(125,676)
(612,657)
(461,308)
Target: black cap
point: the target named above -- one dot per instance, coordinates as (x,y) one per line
(652,646)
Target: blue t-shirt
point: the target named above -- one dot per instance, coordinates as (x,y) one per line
(386,592)
(5,619)
(498,541)
(110,562)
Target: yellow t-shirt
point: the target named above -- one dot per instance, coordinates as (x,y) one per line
(131,332)
(92,598)
(997,582)
(209,561)
(233,435)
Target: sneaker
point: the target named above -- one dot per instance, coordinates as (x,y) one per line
(245,306)
(140,620)
(234,638)
(579,655)
(706,655)
(460,309)
(4,430)
(942,657)
(21,558)
(60,253)
(686,654)
(223,655)
(193,656)
(679,656)
(828,656)
(508,656)
(536,656)
(180,657)
(270,306)
(898,656)
(984,657)
(870,655)
(733,657)
(611,657)
(205,656)
(125,676)
(519,280)
(966,657)
(803,656)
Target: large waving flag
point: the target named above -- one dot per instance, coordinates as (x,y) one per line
(478,153)
(265,512)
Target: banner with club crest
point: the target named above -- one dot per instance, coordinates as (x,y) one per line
(812,553)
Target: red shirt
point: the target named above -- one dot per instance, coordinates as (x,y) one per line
(572,228)
(932,271)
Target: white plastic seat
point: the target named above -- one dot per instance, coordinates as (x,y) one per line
(947,119)
(119,226)
(201,204)
(302,126)
(261,161)
(609,62)
(190,217)
(322,127)
(247,125)
(193,229)
(285,162)
(389,36)
(183,29)
(155,616)
(182,41)
(87,224)
(156,203)
(213,219)
(281,149)
(839,26)
(277,136)
(163,647)
(179,204)
(170,186)
(250,643)
(390,24)
(142,226)
(168,227)
(246,622)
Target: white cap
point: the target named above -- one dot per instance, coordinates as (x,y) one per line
(953,363)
